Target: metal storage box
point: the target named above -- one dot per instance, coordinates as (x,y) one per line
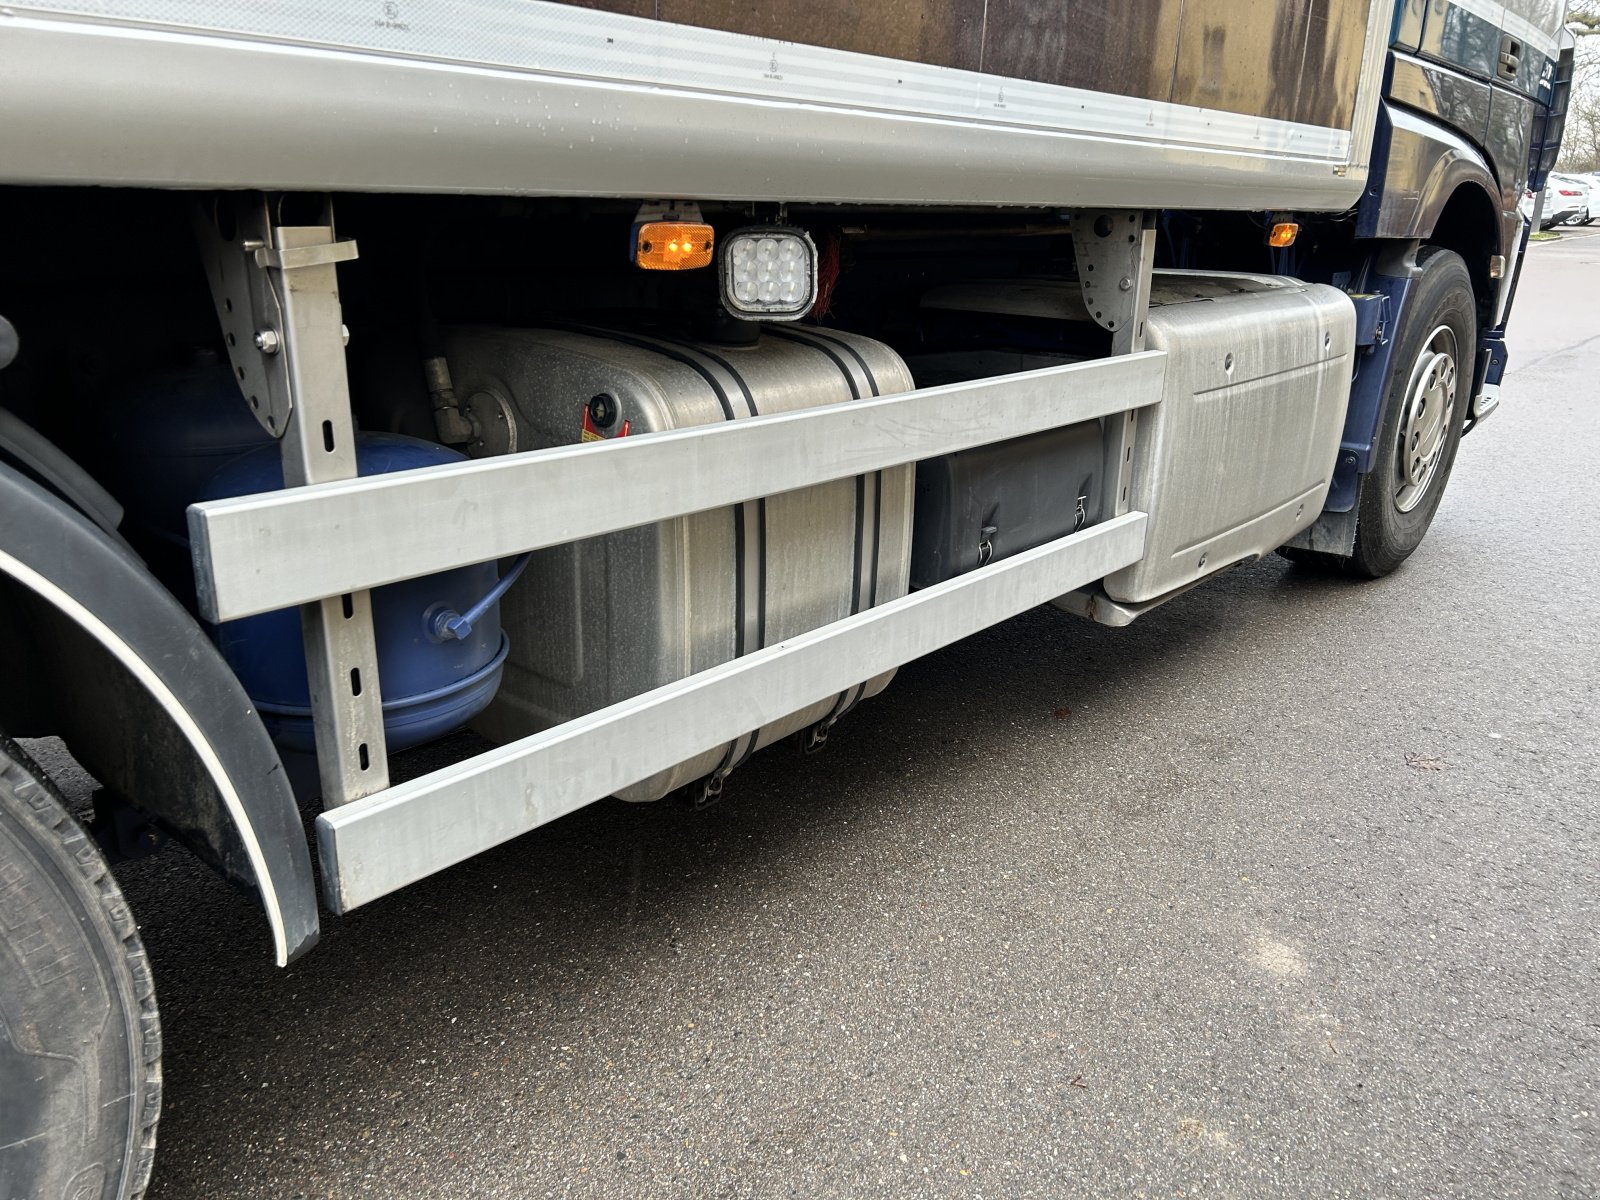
(598,621)
(1238,456)
(986,504)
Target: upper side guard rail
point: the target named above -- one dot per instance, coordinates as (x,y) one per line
(268,551)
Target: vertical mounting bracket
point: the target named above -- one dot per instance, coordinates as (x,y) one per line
(1115,251)
(277,296)
(227,227)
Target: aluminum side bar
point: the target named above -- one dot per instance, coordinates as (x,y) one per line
(258,553)
(373,846)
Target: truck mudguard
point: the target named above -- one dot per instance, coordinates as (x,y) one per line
(1418,167)
(225,789)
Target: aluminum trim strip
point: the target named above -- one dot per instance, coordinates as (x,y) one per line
(152,681)
(582,43)
(269,551)
(207,112)
(373,846)
(1369,89)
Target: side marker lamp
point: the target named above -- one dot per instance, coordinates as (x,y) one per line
(769,273)
(672,245)
(1283,234)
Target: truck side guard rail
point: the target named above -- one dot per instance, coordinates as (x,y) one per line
(257,553)
(302,545)
(372,846)
(330,537)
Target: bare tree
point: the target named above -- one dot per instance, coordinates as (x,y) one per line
(1580,144)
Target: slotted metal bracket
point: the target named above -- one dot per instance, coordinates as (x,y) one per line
(1115,251)
(277,297)
(1109,245)
(229,228)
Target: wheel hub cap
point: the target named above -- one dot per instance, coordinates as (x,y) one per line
(1426,419)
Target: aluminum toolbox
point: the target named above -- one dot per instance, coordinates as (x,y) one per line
(601,620)
(1238,456)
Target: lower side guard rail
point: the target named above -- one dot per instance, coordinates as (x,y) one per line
(376,845)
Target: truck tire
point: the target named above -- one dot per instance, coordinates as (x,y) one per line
(1430,376)
(80,1041)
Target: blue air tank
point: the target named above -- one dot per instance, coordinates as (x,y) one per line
(432,682)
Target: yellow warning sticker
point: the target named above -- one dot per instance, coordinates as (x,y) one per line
(591,432)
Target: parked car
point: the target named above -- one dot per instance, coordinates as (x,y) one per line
(1579,188)
(1556,208)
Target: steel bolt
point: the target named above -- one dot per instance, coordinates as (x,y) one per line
(344,332)
(267,341)
(1125,284)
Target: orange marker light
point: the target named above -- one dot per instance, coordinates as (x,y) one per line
(1283,234)
(672,246)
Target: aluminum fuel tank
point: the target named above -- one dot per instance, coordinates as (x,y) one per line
(601,620)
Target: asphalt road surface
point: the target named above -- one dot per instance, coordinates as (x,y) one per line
(1289,888)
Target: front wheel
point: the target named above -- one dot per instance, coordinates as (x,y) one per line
(1425,403)
(80,1043)
(1429,381)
